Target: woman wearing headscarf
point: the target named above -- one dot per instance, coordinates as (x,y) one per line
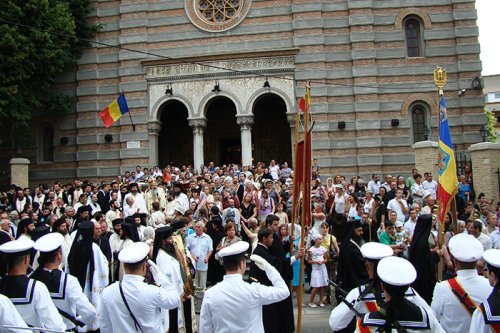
(421,258)
(88,264)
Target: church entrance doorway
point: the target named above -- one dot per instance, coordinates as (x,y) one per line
(222,139)
(175,140)
(271,131)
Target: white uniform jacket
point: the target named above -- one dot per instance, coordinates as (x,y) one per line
(10,317)
(32,300)
(145,302)
(71,299)
(243,300)
(449,311)
(341,316)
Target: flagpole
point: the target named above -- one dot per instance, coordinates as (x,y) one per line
(295,203)
(305,210)
(440,82)
(130,116)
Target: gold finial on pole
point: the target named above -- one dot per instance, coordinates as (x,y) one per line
(440,79)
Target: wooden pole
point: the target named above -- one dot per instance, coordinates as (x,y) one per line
(454,216)
(440,82)
(295,203)
(305,210)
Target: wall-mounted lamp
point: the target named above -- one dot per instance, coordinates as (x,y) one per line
(477,83)
(64,140)
(216,87)
(341,125)
(169,91)
(108,138)
(461,92)
(394,122)
(266,84)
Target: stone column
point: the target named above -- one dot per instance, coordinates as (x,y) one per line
(426,157)
(485,158)
(246,123)
(154,128)
(198,125)
(19,171)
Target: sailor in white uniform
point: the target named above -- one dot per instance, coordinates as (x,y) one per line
(455,300)
(486,318)
(398,314)
(10,317)
(132,305)
(233,295)
(368,297)
(64,289)
(31,298)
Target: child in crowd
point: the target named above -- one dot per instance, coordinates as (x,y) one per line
(319,276)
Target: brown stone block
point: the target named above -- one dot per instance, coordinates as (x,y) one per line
(108,65)
(368,151)
(87,164)
(109,34)
(133,15)
(337,13)
(341,116)
(135,161)
(307,15)
(109,19)
(107,5)
(134,31)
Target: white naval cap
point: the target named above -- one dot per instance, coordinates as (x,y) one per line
(376,251)
(134,253)
(466,248)
(492,257)
(17,246)
(396,271)
(49,242)
(234,249)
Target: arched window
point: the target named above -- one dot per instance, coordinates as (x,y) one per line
(47,144)
(413,36)
(420,120)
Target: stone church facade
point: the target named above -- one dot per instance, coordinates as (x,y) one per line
(219,80)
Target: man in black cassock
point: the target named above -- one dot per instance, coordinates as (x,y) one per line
(277,317)
(351,271)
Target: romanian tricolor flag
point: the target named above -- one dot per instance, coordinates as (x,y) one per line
(305,101)
(448,182)
(114,111)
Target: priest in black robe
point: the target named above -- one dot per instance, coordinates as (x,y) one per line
(351,272)
(422,259)
(277,317)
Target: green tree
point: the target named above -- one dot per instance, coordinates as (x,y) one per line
(491,133)
(37,42)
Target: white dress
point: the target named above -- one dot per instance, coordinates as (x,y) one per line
(319,274)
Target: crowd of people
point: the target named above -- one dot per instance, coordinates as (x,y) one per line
(185,232)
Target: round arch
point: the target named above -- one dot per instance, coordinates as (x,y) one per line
(156,115)
(208,99)
(266,91)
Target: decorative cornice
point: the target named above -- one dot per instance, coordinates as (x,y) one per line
(237,67)
(291,118)
(244,120)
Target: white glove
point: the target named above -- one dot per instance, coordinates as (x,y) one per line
(159,277)
(260,262)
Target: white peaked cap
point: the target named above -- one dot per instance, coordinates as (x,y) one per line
(49,242)
(396,271)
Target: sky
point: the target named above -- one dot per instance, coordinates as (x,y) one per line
(487,18)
